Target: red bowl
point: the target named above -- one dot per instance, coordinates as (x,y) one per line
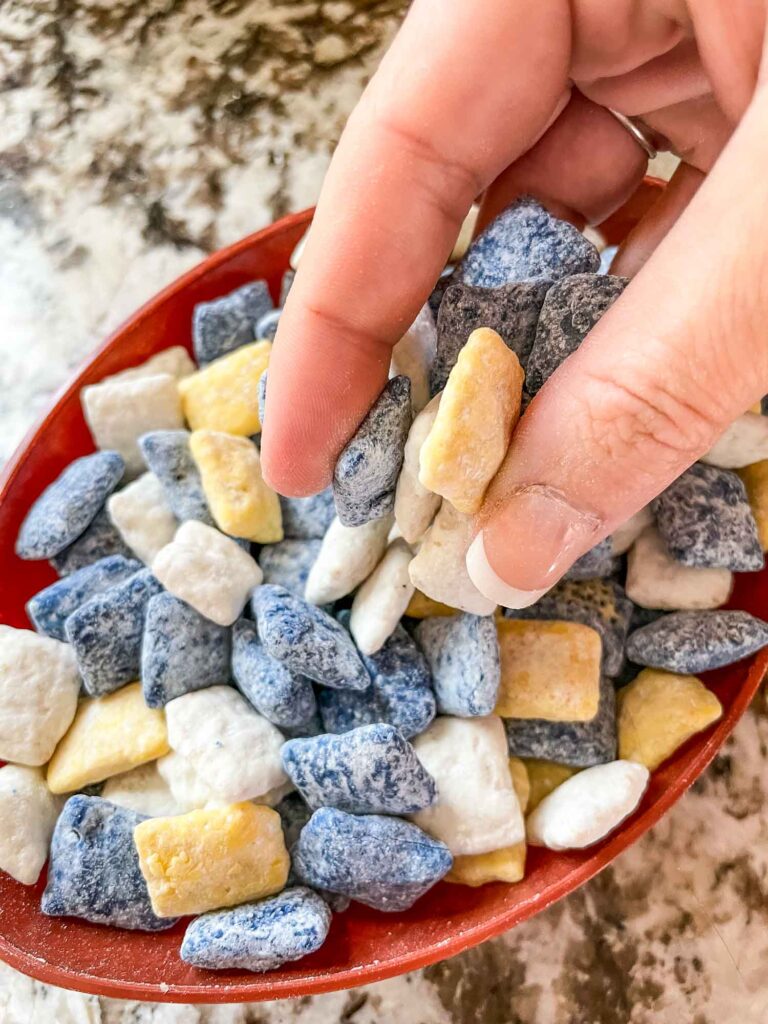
(364,945)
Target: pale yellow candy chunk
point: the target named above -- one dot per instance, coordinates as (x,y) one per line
(543,778)
(548,670)
(474,423)
(212,858)
(658,711)
(224,395)
(240,502)
(422,607)
(109,736)
(755,479)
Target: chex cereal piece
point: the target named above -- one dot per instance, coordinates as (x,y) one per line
(415,506)
(422,607)
(477,413)
(597,563)
(94,871)
(109,736)
(174,360)
(463,656)
(656,580)
(755,480)
(347,556)
(705,519)
(659,711)
(212,858)
(294,815)
(308,518)
(625,535)
(742,444)
(259,936)
(369,770)
(28,812)
(119,412)
(690,642)
(143,790)
(544,777)
(167,454)
(107,630)
(227,323)
(281,696)
(288,563)
(141,514)
(366,471)
(224,395)
(266,325)
(191,785)
(181,651)
(589,805)
(100,540)
(68,506)
(382,862)
(207,570)
(49,609)
(39,686)
(414,355)
(381,601)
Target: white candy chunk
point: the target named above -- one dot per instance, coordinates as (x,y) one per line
(414,354)
(439,569)
(744,442)
(142,516)
(207,570)
(625,535)
(477,808)
(347,556)
(381,601)
(39,687)
(298,251)
(466,232)
(119,412)
(190,792)
(175,360)
(234,751)
(28,812)
(589,805)
(656,580)
(415,506)
(143,790)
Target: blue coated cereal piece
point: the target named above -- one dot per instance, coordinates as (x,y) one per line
(181,651)
(259,936)
(168,455)
(100,540)
(294,815)
(705,520)
(367,469)
(277,693)
(68,506)
(94,868)
(692,642)
(261,398)
(106,633)
(463,656)
(287,563)
(308,518)
(307,640)
(266,326)
(227,323)
(597,563)
(524,242)
(383,862)
(370,770)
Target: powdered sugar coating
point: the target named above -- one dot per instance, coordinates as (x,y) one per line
(283,697)
(692,642)
(463,656)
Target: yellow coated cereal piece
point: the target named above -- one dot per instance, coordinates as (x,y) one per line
(478,412)
(755,479)
(658,711)
(224,395)
(520,781)
(212,858)
(240,502)
(504,865)
(422,607)
(548,670)
(543,778)
(109,736)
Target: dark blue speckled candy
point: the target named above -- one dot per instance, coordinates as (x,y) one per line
(225,324)
(49,609)
(266,326)
(259,936)
(597,563)
(261,399)
(100,540)
(287,564)
(294,815)
(68,506)
(282,696)
(106,633)
(370,770)
(181,651)
(94,868)
(691,642)
(463,655)
(367,469)
(383,862)
(308,518)
(167,454)
(307,640)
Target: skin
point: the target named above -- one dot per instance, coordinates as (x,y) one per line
(479,99)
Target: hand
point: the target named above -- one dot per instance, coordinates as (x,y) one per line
(476,99)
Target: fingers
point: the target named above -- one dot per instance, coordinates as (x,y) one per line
(428,136)
(679,356)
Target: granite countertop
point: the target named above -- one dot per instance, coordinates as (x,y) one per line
(139,135)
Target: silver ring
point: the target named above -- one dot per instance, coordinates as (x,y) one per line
(639,132)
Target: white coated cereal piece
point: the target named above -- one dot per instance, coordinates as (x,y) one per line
(209,571)
(414,354)
(175,360)
(589,805)
(142,516)
(439,570)
(415,506)
(235,751)
(143,790)
(39,687)
(28,813)
(119,412)
(347,556)
(477,809)
(298,251)
(744,442)
(381,601)
(190,791)
(624,536)
(656,580)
